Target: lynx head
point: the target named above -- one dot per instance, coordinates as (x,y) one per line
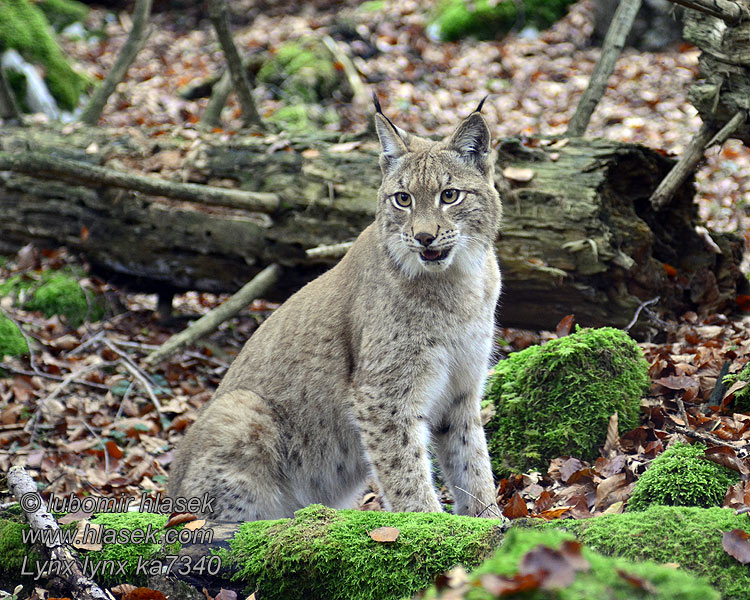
(438,208)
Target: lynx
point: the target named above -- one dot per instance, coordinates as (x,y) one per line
(359,371)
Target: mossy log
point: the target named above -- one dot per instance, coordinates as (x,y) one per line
(579,237)
(323,553)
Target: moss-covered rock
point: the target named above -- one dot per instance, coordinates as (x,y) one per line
(682,476)
(302,70)
(323,553)
(61,13)
(602,579)
(556,400)
(487,19)
(688,536)
(741,396)
(12,342)
(62,295)
(24,27)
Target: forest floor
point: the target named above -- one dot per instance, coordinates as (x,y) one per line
(81,411)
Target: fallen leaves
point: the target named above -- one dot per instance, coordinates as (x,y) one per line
(384,534)
(736,543)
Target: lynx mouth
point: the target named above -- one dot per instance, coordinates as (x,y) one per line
(433,255)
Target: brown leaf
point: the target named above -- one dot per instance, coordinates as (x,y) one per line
(384,534)
(178,518)
(516,507)
(738,495)
(570,466)
(678,382)
(736,543)
(553,513)
(543,502)
(113,449)
(505,586)
(193,525)
(727,457)
(122,590)
(637,582)
(83,544)
(27,258)
(565,325)
(735,387)
(555,568)
(607,487)
(143,593)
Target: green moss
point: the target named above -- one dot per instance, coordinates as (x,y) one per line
(302,71)
(323,553)
(688,536)
(682,476)
(600,581)
(62,295)
(741,397)
(146,551)
(486,19)
(13,550)
(12,342)
(61,13)
(556,399)
(24,27)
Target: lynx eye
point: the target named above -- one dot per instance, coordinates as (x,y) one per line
(449,196)
(401,200)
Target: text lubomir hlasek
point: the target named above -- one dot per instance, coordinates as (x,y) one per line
(148,504)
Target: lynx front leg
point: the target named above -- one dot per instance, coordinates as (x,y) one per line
(461,449)
(395,444)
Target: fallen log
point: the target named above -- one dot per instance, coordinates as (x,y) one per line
(579,235)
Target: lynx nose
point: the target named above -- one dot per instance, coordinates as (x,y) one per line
(424,238)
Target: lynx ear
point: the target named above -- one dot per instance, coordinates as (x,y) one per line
(393,141)
(472,141)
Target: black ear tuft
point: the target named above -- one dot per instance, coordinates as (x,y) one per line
(377,103)
(481,104)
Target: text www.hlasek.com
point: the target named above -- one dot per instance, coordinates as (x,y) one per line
(88,534)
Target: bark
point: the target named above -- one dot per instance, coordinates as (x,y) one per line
(218,12)
(614,42)
(138,34)
(581,237)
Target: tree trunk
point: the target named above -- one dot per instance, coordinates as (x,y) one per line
(579,237)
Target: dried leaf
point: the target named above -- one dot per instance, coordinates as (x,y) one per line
(637,582)
(678,382)
(565,325)
(178,518)
(384,534)
(226,595)
(516,507)
(736,543)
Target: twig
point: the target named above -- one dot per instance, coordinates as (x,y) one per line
(490,506)
(350,71)
(257,286)
(24,489)
(45,166)
(683,412)
(101,443)
(142,377)
(613,44)
(677,175)
(12,369)
(218,13)
(704,436)
(212,115)
(638,312)
(729,128)
(67,380)
(332,251)
(137,36)
(92,340)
